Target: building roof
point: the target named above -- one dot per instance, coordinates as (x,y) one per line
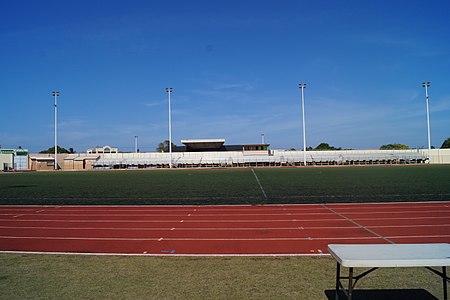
(80,156)
(46,158)
(19,151)
(265,145)
(204,143)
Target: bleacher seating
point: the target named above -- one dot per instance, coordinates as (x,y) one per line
(274,158)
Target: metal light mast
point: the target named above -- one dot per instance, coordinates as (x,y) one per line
(426,85)
(135,143)
(55,94)
(302,86)
(169,91)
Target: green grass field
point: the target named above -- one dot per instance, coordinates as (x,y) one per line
(229,186)
(112,277)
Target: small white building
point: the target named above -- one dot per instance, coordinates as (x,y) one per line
(102,150)
(13,159)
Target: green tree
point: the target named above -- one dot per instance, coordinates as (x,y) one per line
(394,147)
(60,150)
(164,146)
(446,144)
(326,146)
(307,149)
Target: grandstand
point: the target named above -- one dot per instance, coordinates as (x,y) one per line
(213,153)
(267,158)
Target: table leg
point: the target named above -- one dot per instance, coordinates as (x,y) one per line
(444,273)
(338,278)
(350,283)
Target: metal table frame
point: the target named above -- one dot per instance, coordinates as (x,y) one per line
(343,256)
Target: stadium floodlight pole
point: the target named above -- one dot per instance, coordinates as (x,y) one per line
(55,94)
(169,91)
(135,143)
(426,85)
(302,86)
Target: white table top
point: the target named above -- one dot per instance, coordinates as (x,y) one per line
(391,255)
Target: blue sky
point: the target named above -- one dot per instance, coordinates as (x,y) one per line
(234,67)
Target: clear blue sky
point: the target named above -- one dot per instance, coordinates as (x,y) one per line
(234,67)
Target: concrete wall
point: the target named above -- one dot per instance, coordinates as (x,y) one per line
(6,161)
(80,161)
(41,162)
(439,156)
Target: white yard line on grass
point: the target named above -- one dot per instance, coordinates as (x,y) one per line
(259,183)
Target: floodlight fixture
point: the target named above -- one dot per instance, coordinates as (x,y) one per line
(426,85)
(302,87)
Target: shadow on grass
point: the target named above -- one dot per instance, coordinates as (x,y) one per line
(18,186)
(402,294)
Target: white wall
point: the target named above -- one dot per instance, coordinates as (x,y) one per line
(439,156)
(6,159)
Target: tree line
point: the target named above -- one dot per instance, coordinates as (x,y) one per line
(59,149)
(445,145)
(328,147)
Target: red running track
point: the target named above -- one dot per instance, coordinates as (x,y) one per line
(218,230)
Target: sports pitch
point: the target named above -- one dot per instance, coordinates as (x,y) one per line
(229,186)
(28,276)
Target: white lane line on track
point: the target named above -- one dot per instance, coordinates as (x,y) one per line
(391,212)
(172,221)
(337,218)
(182,239)
(409,226)
(216,239)
(220,228)
(179,229)
(172,215)
(403,218)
